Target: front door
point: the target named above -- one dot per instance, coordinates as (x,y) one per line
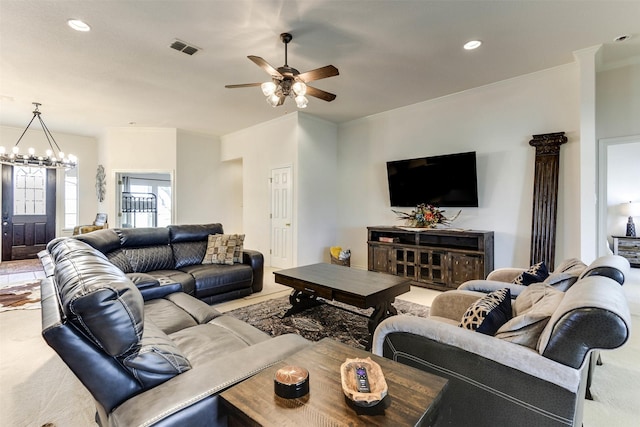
(281,216)
(28,211)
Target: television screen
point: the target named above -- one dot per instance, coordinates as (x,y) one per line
(448,180)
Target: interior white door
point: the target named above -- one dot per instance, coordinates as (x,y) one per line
(281,218)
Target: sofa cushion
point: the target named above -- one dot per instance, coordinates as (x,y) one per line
(487,314)
(532,310)
(178,311)
(565,274)
(209,341)
(535,274)
(188,253)
(223,249)
(193,232)
(120,260)
(156,359)
(150,258)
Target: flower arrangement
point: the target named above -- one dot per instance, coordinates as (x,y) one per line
(425,216)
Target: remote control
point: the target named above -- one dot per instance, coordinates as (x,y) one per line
(362,380)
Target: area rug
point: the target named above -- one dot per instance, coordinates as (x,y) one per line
(20,296)
(339,321)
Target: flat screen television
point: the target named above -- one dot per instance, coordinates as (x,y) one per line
(449,180)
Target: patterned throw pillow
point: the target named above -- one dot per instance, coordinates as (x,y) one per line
(237,253)
(535,274)
(533,309)
(487,314)
(221,249)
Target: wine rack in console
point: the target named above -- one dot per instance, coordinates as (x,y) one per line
(432,258)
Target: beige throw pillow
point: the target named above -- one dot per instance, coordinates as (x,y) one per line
(223,249)
(532,310)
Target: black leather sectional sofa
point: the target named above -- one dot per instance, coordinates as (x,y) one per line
(155,361)
(157,258)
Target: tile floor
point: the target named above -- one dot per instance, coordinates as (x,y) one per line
(20,271)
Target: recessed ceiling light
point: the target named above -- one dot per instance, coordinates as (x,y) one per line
(78,25)
(622,38)
(473,44)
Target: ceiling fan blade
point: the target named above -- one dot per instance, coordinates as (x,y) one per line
(264,65)
(242,85)
(319,73)
(318,93)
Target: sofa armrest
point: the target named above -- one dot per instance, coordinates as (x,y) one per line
(152,287)
(612,266)
(160,291)
(594,314)
(489,379)
(256,260)
(474,344)
(168,404)
(488,286)
(453,304)
(506,274)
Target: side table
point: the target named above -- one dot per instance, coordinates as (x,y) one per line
(413,395)
(627,247)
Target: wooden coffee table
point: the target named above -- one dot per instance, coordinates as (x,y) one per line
(413,395)
(359,288)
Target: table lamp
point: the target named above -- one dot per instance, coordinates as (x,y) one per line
(631,209)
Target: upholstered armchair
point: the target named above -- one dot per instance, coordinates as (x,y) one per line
(99,223)
(531,373)
(563,277)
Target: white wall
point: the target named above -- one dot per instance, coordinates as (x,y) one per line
(308,145)
(83,147)
(496,121)
(618,102)
(623,178)
(260,148)
(206,189)
(135,149)
(317,188)
(618,131)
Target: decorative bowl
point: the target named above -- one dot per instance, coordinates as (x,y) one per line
(377,383)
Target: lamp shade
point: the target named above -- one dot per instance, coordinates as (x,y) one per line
(631,209)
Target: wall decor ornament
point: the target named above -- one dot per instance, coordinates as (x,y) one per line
(101,183)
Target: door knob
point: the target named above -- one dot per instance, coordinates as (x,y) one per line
(288,224)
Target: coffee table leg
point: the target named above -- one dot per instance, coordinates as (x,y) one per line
(300,301)
(381,312)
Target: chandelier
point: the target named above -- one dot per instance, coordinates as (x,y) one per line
(54,158)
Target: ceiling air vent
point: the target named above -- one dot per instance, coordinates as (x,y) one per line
(184,47)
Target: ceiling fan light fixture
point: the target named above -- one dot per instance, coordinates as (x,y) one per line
(301,101)
(299,88)
(289,82)
(268,88)
(273,100)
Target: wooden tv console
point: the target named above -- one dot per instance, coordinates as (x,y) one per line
(433,258)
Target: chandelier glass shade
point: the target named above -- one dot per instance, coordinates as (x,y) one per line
(277,91)
(53,158)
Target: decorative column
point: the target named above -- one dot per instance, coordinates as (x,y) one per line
(545,197)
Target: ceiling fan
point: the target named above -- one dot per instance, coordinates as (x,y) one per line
(287,81)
